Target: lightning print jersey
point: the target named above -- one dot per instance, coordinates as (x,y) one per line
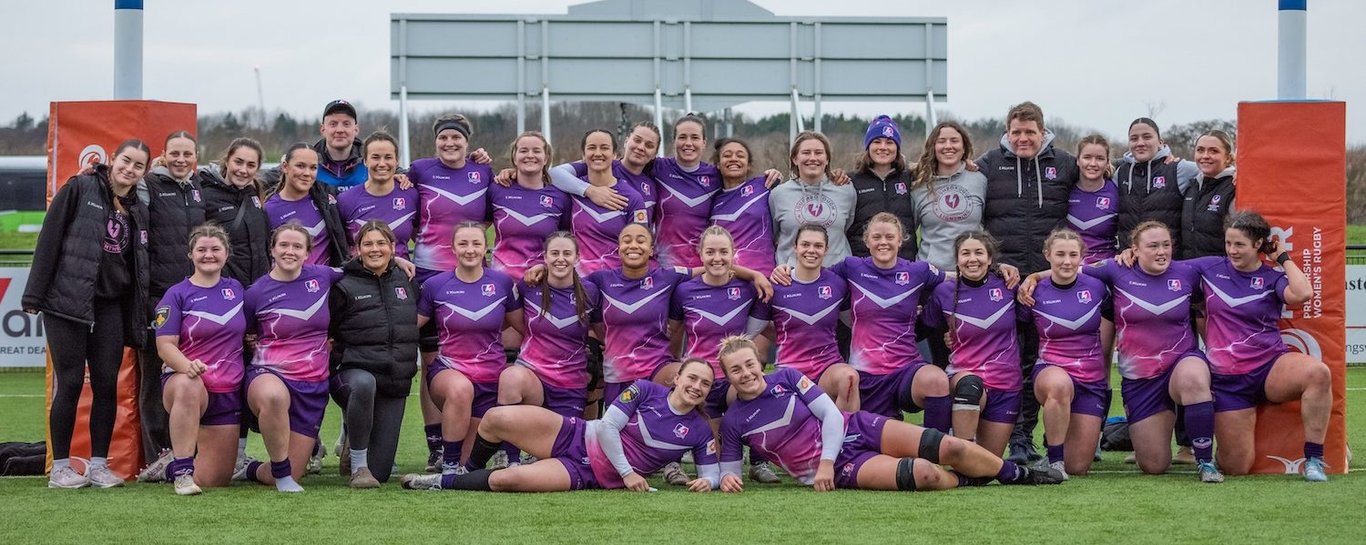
(1095,216)
(655,435)
(397,209)
(1152,315)
(777,424)
(684,209)
(469,318)
(522,219)
(1068,321)
(596,228)
(1242,309)
(556,336)
(446,197)
(643,183)
(884,304)
(711,313)
(304,212)
(743,211)
(210,324)
(291,320)
(983,316)
(805,315)
(635,319)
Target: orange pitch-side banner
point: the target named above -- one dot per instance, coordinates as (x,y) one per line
(80,134)
(1292,168)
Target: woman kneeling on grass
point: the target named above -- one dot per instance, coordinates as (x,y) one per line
(811,439)
(199,329)
(647,427)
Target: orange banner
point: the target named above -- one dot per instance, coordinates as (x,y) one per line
(1292,168)
(80,134)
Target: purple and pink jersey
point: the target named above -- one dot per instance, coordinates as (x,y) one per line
(984,318)
(743,211)
(1152,316)
(1095,216)
(1243,309)
(778,424)
(684,209)
(643,183)
(210,324)
(291,319)
(555,347)
(805,315)
(597,228)
(712,313)
(884,305)
(397,209)
(304,212)
(446,197)
(635,319)
(655,435)
(1068,320)
(469,318)
(522,219)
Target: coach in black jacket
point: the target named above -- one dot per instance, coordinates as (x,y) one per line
(374,352)
(89,279)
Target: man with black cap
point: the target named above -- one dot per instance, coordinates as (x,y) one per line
(339,148)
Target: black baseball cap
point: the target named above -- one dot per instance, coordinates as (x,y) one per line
(340,106)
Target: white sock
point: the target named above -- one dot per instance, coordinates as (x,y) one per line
(98,461)
(358,459)
(288,484)
(242,447)
(61,463)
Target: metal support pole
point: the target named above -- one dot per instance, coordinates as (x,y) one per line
(521,77)
(545,79)
(404,148)
(817,80)
(127,49)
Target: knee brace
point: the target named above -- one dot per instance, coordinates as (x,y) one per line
(930,439)
(967,394)
(905,474)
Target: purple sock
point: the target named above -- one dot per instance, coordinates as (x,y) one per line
(1009,472)
(433,432)
(280,469)
(450,452)
(1054,453)
(180,466)
(252,467)
(1313,450)
(1200,428)
(939,413)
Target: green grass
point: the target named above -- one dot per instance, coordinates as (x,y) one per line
(1356,234)
(1116,505)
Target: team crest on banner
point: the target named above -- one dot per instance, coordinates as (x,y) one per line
(823,292)
(733,294)
(311,285)
(1084,296)
(229,294)
(680,431)
(996,295)
(903,278)
(488,290)
(1050,173)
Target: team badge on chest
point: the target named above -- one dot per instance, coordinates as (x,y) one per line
(1084,296)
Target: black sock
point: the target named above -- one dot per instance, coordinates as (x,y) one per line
(481,452)
(474,480)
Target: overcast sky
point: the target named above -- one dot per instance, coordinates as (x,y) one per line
(1096,63)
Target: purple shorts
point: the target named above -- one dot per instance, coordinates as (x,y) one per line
(566,402)
(890,394)
(716,398)
(1146,397)
(1237,392)
(1087,397)
(1002,407)
(224,409)
(572,452)
(307,401)
(485,393)
(862,440)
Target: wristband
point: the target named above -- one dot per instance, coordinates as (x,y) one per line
(1281,259)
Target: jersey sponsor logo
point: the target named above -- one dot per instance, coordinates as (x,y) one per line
(680,431)
(400,203)
(847,470)
(488,290)
(1103,203)
(647,283)
(401,292)
(900,188)
(547,201)
(630,393)
(1159,182)
(311,285)
(823,292)
(804,384)
(640,217)
(229,294)
(996,295)
(1084,296)
(1050,173)
(1174,284)
(1258,283)
(733,294)
(474,178)
(163,313)
(903,278)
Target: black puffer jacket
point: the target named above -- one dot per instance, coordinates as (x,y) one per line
(1026,200)
(325,198)
(374,326)
(890,194)
(66,260)
(1151,190)
(1208,202)
(250,235)
(174,208)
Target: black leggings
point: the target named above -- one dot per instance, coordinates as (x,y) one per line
(372,420)
(156,432)
(1028,339)
(71,345)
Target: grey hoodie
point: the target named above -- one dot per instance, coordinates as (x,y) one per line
(794,203)
(946,207)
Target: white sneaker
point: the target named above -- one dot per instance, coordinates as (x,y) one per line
(67,478)
(499,460)
(1060,468)
(184,486)
(421,481)
(102,477)
(155,472)
(315,464)
(674,474)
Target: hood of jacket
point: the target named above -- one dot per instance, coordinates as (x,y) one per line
(1161,155)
